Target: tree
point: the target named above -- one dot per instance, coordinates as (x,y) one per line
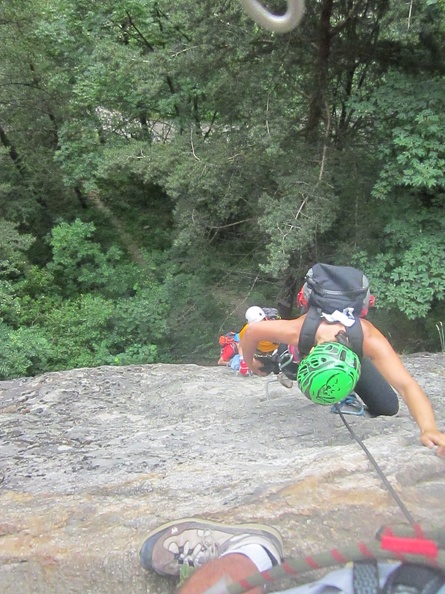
(186,146)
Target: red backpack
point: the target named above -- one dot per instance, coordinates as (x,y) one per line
(228,338)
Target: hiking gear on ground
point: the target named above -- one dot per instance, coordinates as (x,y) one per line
(194,541)
(255,314)
(329,373)
(365,577)
(334,294)
(349,406)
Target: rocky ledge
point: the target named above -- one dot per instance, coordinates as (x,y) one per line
(92,459)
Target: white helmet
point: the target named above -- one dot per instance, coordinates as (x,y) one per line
(255,314)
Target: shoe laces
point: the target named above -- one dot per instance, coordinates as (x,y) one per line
(202,552)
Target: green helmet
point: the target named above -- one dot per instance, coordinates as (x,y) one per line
(329,373)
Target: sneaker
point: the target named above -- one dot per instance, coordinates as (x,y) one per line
(193,542)
(284,380)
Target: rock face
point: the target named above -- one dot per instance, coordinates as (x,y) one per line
(93,459)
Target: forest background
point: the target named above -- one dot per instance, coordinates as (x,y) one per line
(165,165)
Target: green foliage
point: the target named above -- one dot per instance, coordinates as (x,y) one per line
(23,352)
(87,331)
(293,218)
(140,321)
(13,248)
(85,308)
(192,320)
(10,306)
(79,154)
(419,280)
(79,264)
(183,161)
(412,282)
(405,263)
(77,331)
(412,135)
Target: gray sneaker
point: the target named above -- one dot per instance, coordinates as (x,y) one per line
(194,541)
(284,380)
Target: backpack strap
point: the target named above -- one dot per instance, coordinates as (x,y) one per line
(355,336)
(309,330)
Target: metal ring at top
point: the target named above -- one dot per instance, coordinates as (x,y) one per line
(272,22)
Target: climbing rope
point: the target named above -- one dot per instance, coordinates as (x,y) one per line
(405,545)
(379,471)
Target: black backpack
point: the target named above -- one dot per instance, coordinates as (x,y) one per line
(328,289)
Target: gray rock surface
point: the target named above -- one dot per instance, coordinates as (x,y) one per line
(93,459)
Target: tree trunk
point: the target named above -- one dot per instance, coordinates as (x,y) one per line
(12,151)
(321,69)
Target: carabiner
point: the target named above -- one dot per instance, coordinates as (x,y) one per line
(349,406)
(272,22)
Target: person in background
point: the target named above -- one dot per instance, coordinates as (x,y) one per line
(229,355)
(255,314)
(265,348)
